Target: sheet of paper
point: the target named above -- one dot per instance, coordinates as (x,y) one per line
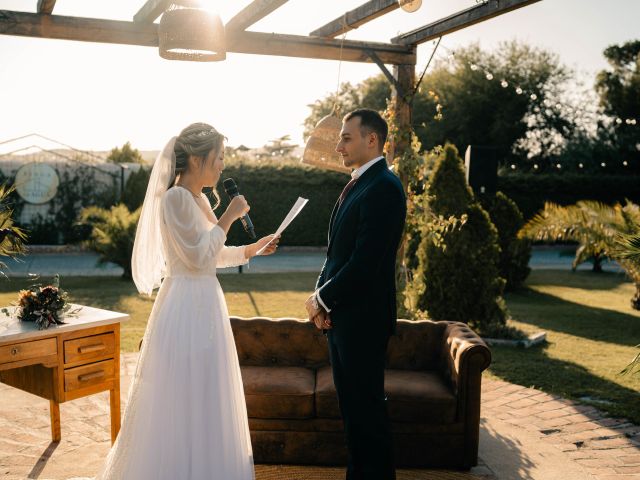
(293,213)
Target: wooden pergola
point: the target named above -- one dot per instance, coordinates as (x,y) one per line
(399,52)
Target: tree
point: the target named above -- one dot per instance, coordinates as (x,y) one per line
(457,103)
(126,154)
(280,146)
(596,227)
(457,278)
(619,91)
(515,252)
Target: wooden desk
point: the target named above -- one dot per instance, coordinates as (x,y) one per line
(65,362)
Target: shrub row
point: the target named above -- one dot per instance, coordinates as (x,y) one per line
(530,191)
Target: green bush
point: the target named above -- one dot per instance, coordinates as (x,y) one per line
(515,252)
(457,277)
(530,191)
(271,188)
(113,234)
(135,188)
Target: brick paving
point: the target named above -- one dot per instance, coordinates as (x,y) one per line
(607,448)
(563,433)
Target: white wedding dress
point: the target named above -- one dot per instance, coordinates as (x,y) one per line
(186,417)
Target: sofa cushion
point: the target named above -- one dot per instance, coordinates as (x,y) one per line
(279,392)
(412,397)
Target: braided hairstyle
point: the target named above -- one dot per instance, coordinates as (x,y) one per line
(197,140)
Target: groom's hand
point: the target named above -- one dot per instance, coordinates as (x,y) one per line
(317,314)
(322,321)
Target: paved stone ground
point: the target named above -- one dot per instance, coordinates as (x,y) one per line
(606,448)
(525,435)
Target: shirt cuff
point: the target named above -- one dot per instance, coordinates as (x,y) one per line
(319,298)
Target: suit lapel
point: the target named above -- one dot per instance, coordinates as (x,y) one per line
(338,212)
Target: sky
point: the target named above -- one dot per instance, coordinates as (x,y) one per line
(96,96)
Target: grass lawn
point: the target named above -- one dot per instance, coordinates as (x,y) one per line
(591,329)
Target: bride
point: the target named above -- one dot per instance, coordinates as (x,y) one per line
(186,416)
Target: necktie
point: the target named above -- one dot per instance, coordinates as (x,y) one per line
(346,190)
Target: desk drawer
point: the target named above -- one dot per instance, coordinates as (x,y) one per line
(88,375)
(25,351)
(86,349)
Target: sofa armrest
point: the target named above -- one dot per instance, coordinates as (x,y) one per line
(465,356)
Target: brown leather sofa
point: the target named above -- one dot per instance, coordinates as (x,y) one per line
(432,382)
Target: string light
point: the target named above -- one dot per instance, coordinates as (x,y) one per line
(535,165)
(580,165)
(513,167)
(532,95)
(603,164)
(625,163)
(559,166)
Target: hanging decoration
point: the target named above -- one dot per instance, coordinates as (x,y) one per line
(410,6)
(546,105)
(187,32)
(320,149)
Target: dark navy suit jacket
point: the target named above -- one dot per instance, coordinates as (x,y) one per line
(357,281)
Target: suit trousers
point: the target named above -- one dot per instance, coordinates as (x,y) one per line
(357,360)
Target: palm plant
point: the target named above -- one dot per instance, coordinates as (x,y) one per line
(113,234)
(596,227)
(12,238)
(629,248)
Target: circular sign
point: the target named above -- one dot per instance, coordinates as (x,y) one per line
(36,182)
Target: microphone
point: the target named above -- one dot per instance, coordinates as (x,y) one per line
(232,190)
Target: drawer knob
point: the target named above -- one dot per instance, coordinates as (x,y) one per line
(14,351)
(90,376)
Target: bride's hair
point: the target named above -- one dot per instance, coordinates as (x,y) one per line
(198,139)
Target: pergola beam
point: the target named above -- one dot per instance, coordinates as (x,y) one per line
(78,28)
(356,17)
(151,10)
(319,48)
(460,20)
(46,6)
(252,13)
(146,34)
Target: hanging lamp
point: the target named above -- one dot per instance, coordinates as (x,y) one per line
(410,5)
(320,150)
(187,32)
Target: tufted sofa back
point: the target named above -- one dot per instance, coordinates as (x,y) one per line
(416,345)
(290,342)
(285,342)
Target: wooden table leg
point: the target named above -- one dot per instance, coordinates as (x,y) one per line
(114,397)
(54,408)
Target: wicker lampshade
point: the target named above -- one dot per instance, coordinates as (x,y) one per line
(320,150)
(187,33)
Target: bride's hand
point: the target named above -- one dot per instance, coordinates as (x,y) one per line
(238,207)
(271,248)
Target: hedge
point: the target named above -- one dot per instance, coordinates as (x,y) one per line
(271,190)
(530,191)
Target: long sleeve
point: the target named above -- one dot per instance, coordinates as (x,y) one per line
(231,257)
(196,248)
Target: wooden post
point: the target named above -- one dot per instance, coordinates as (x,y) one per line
(401,109)
(400,144)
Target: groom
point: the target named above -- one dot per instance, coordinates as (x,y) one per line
(355,297)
